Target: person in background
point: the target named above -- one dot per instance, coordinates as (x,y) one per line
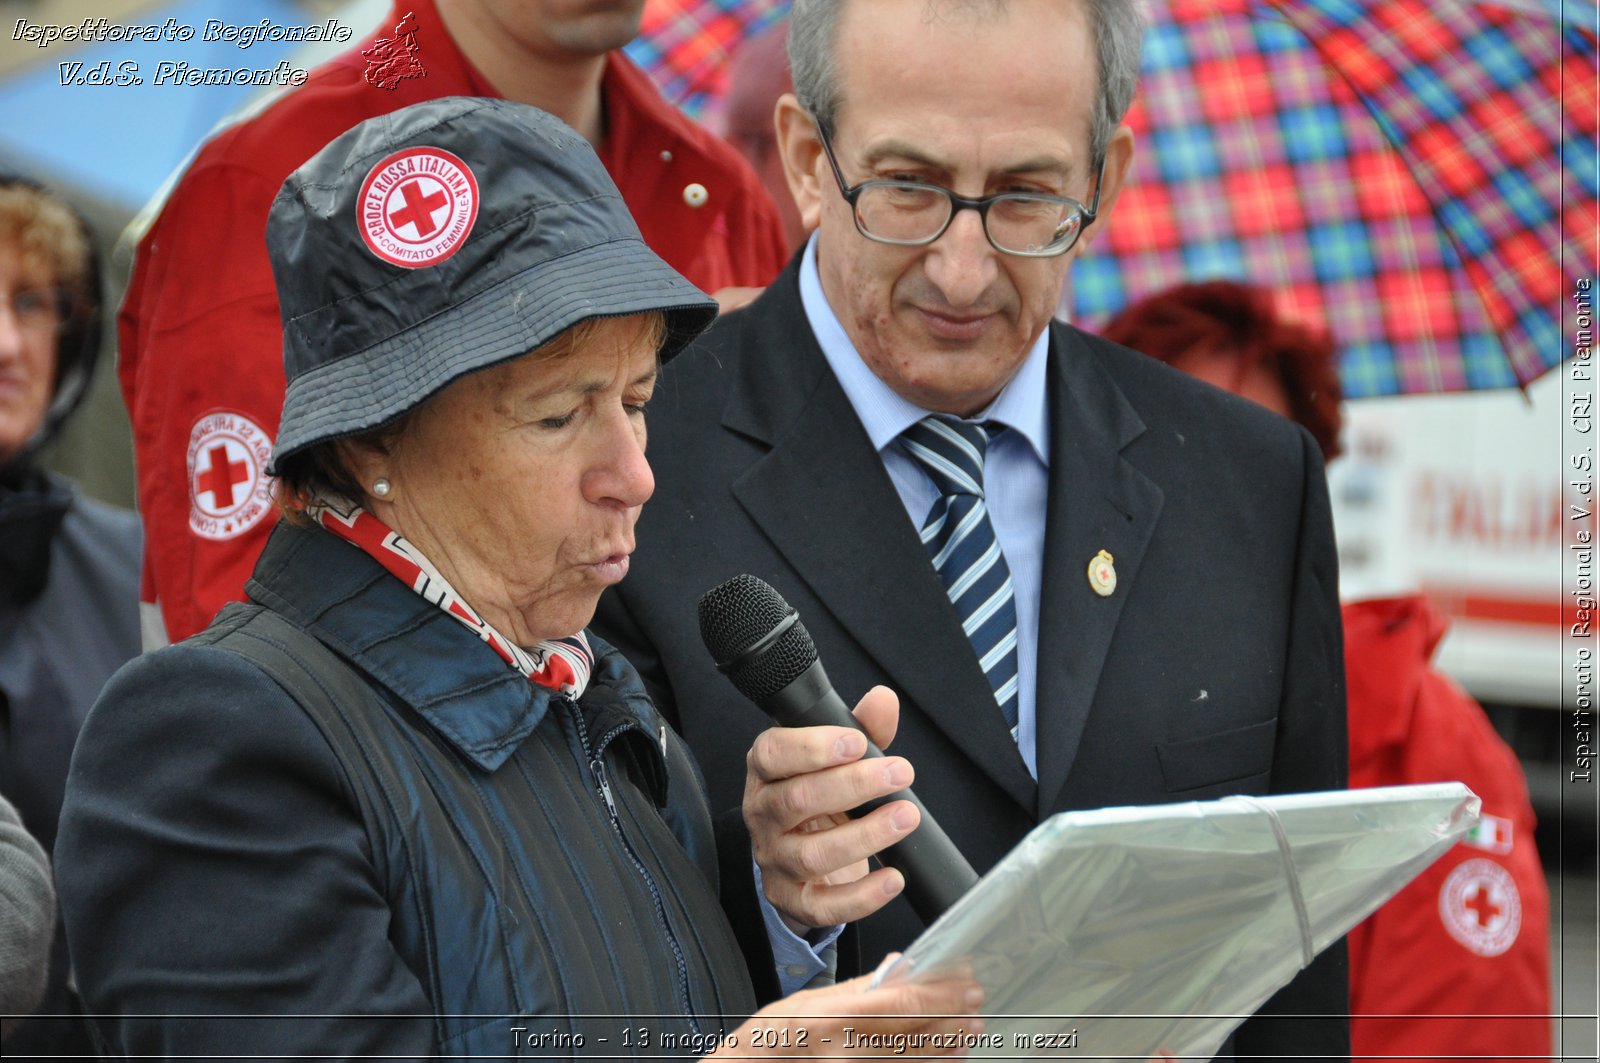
(400,804)
(200,347)
(1434,972)
(69,565)
(997,516)
(757,77)
(27,919)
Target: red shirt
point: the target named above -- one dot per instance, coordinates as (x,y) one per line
(1470,936)
(200,341)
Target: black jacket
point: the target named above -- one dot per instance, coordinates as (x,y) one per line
(447,852)
(1215,667)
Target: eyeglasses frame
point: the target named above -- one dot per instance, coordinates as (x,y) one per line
(958,203)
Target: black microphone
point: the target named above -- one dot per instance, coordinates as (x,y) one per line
(758,642)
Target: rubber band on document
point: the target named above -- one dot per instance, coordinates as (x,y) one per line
(1307,951)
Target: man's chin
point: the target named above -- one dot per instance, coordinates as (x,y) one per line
(606,31)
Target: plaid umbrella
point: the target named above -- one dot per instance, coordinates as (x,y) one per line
(685,45)
(1416,176)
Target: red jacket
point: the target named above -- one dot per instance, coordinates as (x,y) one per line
(201,356)
(1469,937)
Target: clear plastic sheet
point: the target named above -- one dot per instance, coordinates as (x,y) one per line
(1163,928)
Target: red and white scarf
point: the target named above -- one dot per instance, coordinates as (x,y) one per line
(562,665)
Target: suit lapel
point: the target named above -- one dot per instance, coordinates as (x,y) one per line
(1098,501)
(823,498)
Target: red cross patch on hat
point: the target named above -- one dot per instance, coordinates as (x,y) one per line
(417,206)
(229,489)
(1480,907)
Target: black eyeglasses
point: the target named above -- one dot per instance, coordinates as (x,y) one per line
(913,214)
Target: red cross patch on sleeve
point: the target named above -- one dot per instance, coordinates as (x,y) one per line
(1480,907)
(229,489)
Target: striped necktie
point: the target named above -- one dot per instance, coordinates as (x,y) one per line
(961,540)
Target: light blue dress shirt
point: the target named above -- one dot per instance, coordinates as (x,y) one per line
(1016,478)
(1016,470)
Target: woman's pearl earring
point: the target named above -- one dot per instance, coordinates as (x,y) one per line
(381,488)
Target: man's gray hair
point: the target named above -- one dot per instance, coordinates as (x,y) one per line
(1118,33)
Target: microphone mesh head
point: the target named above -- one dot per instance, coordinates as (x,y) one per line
(781,664)
(737,614)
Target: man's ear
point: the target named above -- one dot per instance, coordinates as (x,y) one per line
(1119,159)
(801,150)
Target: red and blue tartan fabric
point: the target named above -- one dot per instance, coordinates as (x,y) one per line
(685,46)
(1417,177)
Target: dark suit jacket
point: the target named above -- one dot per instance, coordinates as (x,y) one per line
(1214,668)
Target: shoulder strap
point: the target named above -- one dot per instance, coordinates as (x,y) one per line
(335,697)
(344,708)
(303,666)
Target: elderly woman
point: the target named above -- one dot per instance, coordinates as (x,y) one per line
(399,804)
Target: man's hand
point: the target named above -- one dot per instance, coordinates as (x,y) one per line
(799,782)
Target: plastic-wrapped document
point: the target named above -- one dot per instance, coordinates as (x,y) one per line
(1126,931)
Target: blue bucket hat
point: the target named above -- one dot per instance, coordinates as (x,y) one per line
(442,239)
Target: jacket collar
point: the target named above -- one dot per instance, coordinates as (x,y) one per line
(424,658)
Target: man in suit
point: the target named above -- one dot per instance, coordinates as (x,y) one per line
(1162,623)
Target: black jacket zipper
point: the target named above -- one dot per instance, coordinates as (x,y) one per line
(597,768)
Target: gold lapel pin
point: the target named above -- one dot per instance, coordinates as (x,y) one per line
(1103,574)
